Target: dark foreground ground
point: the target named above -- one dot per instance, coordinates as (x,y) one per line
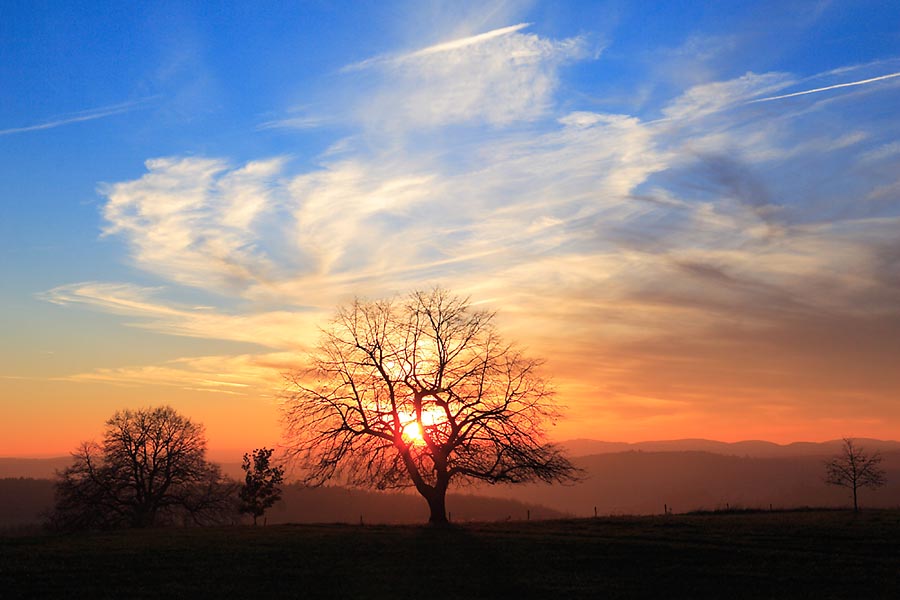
(804,554)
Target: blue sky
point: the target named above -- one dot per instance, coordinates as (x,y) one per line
(689,208)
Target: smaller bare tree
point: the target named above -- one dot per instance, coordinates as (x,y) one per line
(854,469)
(150,470)
(261,485)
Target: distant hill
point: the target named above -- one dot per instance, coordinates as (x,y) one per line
(36,468)
(642,482)
(44,468)
(752,448)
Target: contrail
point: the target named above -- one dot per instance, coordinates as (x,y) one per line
(468,41)
(86,115)
(825,89)
(437,48)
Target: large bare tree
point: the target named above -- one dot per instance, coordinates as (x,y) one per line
(855,469)
(421,392)
(150,470)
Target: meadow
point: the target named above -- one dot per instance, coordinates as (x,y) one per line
(782,554)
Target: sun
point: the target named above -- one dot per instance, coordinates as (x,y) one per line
(413,433)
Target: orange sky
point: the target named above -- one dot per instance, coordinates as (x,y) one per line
(717,388)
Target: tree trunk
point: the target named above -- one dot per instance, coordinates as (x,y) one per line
(855,504)
(435,495)
(437,504)
(143,518)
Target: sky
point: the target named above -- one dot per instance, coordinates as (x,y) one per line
(690,210)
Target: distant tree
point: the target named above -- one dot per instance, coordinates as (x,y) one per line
(261,484)
(855,469)
(150,470)
(420,394)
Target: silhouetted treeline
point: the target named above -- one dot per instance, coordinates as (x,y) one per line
(26,501)
(619,483)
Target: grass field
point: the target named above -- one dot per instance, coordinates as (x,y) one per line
(802,554)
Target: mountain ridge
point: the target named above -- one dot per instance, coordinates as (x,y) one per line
(43,468)
(752,448)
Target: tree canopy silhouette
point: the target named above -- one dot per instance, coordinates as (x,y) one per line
(421,393)
(855,469)
(150,470)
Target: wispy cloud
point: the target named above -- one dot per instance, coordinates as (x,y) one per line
(245,375)
(828,88)
(298,117)
(889,150)
(285,330)
(119,298)
(86,115)
(708,98)
(196,221)
(293,123)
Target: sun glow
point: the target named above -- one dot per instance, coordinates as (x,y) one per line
(413,428)
(413,433)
